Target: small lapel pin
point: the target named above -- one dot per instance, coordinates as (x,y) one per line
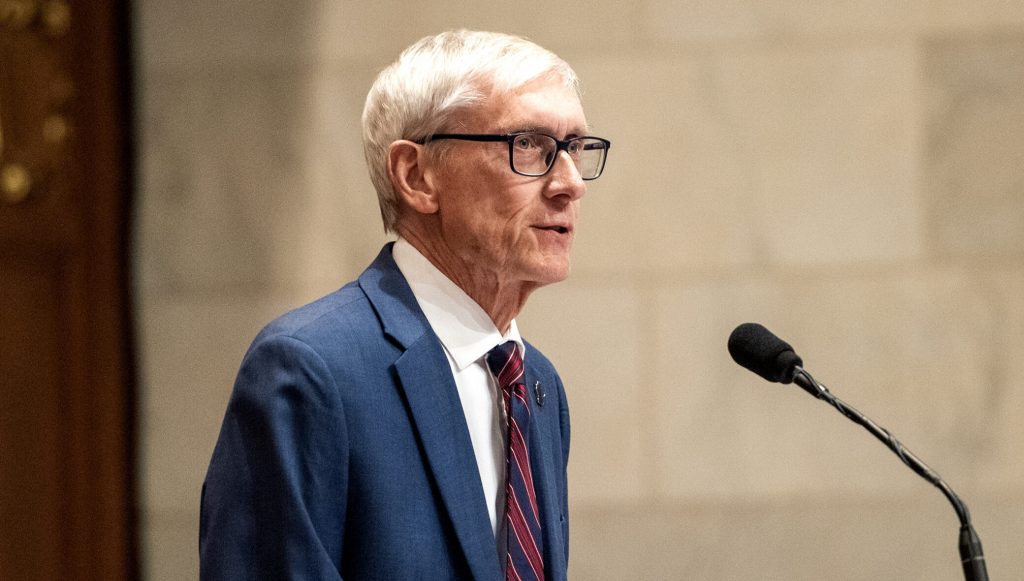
(538,392)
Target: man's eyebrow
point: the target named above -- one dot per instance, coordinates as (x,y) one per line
(509,129)
(545,130)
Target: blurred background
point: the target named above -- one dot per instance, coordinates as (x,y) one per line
(848,173)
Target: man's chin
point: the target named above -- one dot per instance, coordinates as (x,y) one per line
(551,273)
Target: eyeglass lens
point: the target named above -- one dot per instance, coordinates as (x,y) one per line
(535,153)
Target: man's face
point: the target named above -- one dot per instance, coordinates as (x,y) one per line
(507,228)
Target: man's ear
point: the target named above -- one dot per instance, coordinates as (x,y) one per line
(410,176)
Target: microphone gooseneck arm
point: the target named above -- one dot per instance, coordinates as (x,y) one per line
(971,555)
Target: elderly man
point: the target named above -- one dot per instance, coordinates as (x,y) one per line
(400,428)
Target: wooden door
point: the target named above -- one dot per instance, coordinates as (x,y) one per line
(66,408)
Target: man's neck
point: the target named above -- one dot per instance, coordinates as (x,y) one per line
(502,300)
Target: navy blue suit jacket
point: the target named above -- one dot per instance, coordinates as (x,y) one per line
(344,452)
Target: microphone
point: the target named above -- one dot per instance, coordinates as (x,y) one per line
(759,350)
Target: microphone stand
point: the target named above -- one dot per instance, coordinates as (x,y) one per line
(971,555)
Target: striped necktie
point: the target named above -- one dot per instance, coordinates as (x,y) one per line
(524,561)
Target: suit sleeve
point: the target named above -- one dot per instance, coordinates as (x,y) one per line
(273,503)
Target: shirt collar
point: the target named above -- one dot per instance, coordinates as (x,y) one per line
(465,330)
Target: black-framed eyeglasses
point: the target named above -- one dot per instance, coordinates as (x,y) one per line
(534,154)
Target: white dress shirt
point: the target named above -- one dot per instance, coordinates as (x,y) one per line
(467,334)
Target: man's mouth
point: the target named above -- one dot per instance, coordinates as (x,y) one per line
(555,228)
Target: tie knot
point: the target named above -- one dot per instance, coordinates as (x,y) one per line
(505,362)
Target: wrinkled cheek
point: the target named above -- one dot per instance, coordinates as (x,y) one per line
(507,248)
(487,247)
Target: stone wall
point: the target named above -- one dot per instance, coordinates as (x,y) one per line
(849,173)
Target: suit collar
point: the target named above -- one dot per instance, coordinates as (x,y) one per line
(393,300)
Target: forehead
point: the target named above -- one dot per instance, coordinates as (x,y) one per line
(545,104)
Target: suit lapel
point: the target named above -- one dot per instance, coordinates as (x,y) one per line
(426,380)
(546,466)
(437,413)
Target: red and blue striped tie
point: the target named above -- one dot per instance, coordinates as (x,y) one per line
(525,561)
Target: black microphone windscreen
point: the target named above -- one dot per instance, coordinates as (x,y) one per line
(759,350)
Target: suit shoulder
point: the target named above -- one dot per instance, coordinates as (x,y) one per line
(536,359)
(331,318)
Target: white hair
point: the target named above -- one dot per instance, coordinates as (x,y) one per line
(416,95)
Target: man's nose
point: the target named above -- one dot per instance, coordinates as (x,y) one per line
(565,179)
